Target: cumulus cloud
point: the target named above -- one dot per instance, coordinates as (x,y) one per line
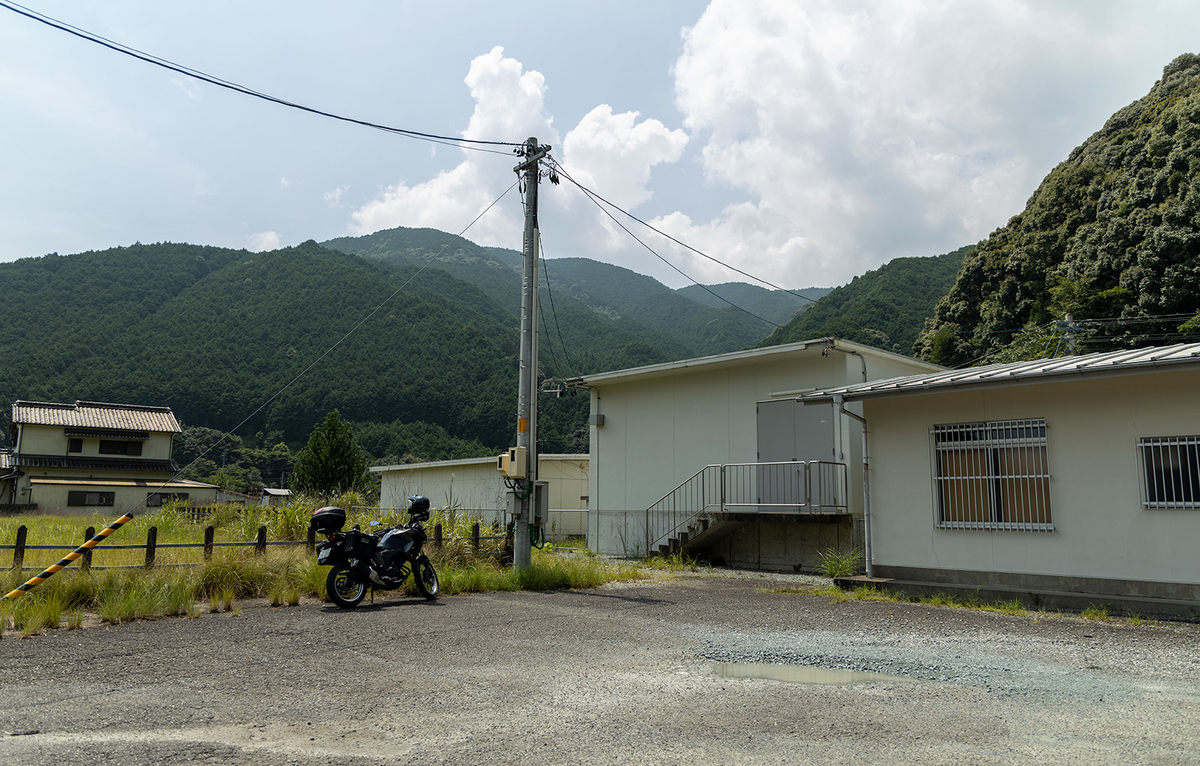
(263,240)
(334,197)
(284,183)
(833,136)
(862,131)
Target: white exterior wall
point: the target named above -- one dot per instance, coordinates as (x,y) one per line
(662,428)
(1092,430)
(475,486)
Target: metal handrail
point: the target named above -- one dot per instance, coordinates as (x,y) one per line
(829,492)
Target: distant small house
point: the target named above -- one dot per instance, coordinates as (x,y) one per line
(93,456)
(475,487)
(275,497)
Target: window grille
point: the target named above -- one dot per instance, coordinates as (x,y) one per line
(1170,467)
(992,475)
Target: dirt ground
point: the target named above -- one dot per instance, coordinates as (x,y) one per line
(631,673)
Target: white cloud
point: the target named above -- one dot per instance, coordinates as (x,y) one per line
(284,183)
(334,198)
(263,240)
(863,131)
(612,152)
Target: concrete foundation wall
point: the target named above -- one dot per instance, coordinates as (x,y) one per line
(788,544)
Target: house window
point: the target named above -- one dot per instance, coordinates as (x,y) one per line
(115,447)
(1170,471)
(992,475)
(159,499)
(79,497)
(75,445)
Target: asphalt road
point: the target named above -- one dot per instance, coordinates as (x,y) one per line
(630,673)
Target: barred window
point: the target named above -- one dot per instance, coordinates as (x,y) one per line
(992,475)
(1170,471)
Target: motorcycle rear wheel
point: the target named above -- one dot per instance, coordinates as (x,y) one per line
(425,577)
(344,588)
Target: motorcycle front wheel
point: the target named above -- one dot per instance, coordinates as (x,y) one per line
(344,588)
(426,578)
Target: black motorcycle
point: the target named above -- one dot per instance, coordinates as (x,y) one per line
(382,559)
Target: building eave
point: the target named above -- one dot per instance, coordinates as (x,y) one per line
(741,358)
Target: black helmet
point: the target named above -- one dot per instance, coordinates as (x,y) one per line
(418,507)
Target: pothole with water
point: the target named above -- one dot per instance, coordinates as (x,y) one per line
(801,674)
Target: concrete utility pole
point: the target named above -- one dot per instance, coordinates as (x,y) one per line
(527,383)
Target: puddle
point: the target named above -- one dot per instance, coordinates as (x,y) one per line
(800,674)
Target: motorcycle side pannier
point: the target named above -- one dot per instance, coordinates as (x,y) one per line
(358,545)
(328,520)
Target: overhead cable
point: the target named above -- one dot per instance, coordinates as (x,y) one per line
(682,244)
(463,143)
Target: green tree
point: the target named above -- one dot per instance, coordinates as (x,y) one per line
(333,462)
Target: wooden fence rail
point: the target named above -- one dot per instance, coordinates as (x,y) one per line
(152,545)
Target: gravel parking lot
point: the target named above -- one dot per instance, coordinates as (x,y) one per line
(630,673)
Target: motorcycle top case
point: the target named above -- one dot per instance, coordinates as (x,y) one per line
(328,520)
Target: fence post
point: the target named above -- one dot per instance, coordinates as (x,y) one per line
(88,534)
(19,548)
(437,535)
(311,541)
(151,544)
(260,544)
(475,535)
(208,542)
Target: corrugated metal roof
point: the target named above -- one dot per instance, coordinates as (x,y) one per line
(119,417)
(739,358)
(1124,362)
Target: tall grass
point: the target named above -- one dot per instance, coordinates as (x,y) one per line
(283,576)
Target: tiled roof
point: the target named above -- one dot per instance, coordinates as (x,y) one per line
(122,417)
(6,459)
(1014,373)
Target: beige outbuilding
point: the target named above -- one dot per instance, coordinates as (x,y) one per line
(474,487)
(715,455)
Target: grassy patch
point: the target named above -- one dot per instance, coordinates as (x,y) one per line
(680,561)
(1094,612)
(835,563)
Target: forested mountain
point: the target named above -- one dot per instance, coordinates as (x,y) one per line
(633,306)
(1112,236)
(775,306)
(215,334)
(885,308)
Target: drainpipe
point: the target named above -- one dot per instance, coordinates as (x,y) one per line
(868,553)
(861,358)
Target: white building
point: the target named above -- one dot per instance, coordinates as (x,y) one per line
(1078,475)
(654,428)
(474,486)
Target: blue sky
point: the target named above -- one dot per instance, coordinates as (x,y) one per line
(805,142)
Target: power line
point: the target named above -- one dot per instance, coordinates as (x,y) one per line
(554,312)
(226,434)
(462,143)
(656,230)
(594,197)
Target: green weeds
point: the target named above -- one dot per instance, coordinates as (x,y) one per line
(835,563)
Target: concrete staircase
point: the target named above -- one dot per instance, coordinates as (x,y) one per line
(701,533)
